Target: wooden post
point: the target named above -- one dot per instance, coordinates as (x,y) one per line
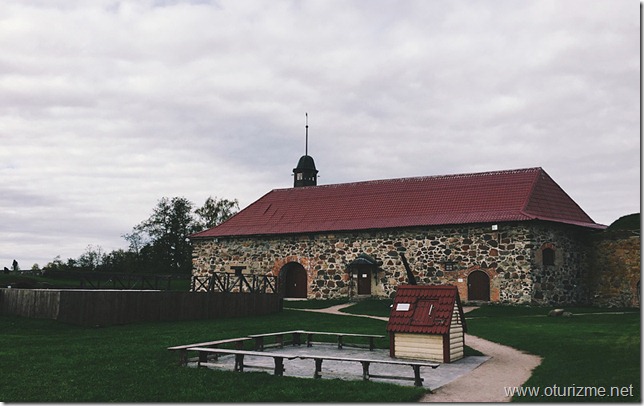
(203,357)
(183,357)
(365,370)
(259,343)
(279,366)
(296,339)
(418,381)
(318,368)
(239,363)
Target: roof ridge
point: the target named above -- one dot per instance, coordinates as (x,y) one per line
(538,181)
(421,178)
(528,196)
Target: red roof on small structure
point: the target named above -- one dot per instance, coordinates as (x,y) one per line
(512,195)
(424,309)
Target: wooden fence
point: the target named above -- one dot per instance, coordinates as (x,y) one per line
(235,282)
(109,307)
(96,280)
(111,280)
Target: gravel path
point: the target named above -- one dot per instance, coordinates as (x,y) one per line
(507,367)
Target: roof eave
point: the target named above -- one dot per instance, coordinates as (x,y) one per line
(206,234)
(584,224)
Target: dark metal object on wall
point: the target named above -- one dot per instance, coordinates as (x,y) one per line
(410,275)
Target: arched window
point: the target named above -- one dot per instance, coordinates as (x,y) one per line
(548,256)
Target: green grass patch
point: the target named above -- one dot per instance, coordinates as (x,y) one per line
(590,350)
(43,282)
(313,304)
(371,307)
(35,282)
(47,361)
(494,310)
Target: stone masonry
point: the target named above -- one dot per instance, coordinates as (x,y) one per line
(615,272)
(511,256)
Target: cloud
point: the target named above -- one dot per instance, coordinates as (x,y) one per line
(108,106)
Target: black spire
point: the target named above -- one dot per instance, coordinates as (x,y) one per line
(305,173)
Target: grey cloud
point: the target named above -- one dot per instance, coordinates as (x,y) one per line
(108,106)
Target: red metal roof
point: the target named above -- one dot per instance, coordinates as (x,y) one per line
(512,195)
(424,309)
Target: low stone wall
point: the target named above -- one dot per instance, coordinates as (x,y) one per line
(109,307)
(615,272)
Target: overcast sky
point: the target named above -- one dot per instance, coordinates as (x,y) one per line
(108,106)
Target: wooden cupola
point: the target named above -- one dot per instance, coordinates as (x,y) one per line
(305,173)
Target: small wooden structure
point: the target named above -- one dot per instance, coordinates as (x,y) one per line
(427,323)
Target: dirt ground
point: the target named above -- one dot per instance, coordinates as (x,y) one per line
(506,367)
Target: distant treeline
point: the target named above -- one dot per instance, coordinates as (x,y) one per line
(157,245)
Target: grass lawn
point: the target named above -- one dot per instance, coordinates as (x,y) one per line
(372,307)
(47,361)
(585,350)
(43,282)
(313,304)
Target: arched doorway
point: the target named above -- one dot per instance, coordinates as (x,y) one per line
(478,286)
(295,281)
(364,279)
(363,269)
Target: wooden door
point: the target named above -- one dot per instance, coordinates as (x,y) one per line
(424,312)
(478,286)
(296,281)
(364,281)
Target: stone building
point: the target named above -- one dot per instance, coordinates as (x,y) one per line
(615,271)
(511,236)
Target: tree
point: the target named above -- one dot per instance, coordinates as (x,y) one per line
(136,240)
(92,258)
(215,212)
(54,266)
(121,261)
(168,227)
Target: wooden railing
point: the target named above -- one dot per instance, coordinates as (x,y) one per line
(235,283)
(125,281)
(120,281)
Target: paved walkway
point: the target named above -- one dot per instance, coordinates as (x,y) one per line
(504,367)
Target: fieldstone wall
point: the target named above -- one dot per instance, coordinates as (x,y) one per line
(509,256)
(563,282)
(615,272)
